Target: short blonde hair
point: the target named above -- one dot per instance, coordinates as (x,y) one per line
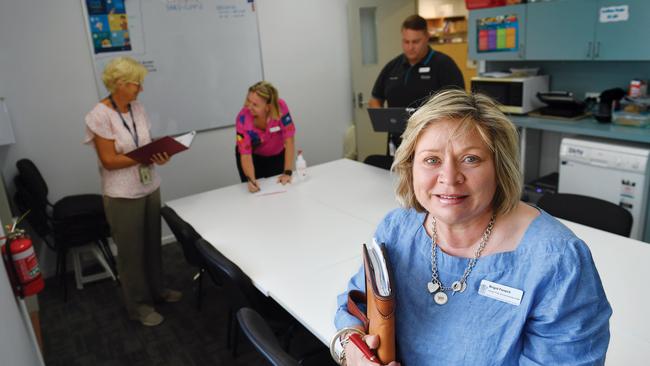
(122,70)
(269,93)
(473,112)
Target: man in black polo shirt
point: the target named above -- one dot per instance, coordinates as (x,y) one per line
(410,78)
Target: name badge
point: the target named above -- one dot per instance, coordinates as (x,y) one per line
(393,78)
(145,174)
(274,129)
(425,77)
(424,69)
(499,292)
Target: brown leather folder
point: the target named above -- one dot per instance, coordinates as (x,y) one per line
(380,316)
(145,153)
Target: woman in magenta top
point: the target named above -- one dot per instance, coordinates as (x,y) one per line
(265,143)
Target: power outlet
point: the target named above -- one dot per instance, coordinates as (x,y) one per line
(594,95)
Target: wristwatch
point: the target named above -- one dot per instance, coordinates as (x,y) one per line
(288,172)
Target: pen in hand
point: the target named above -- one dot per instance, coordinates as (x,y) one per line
(363,347)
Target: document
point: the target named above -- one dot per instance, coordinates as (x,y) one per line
(379,268)
(167,144)
(270,186)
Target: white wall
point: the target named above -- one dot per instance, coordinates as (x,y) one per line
(46,75)
(17,347)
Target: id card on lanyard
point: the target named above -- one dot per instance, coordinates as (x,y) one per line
(144,171)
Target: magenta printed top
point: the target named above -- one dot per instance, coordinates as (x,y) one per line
(268,142)
(105,122)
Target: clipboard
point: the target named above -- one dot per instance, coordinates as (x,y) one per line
(167,144)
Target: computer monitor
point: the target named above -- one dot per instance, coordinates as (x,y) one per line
(391,120)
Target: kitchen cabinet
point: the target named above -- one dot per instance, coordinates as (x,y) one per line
(497,33)
(624,40)
(560,30)
(572,30)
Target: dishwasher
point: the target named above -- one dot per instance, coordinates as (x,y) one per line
(612,171)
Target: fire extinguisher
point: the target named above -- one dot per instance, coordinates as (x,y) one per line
(22,264)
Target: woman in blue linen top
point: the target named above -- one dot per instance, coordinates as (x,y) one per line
(459,184)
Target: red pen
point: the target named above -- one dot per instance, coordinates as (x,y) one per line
(367,352)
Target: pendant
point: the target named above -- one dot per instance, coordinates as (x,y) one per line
(464,287)
(440,298)
(456,286)
(432,287)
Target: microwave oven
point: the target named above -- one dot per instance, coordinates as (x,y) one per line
(516,95)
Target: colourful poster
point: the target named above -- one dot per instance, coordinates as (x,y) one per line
(497,34)
(109,26)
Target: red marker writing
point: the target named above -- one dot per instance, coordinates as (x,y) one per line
(367,352)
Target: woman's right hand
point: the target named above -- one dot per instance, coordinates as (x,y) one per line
(354,357)
(252,186)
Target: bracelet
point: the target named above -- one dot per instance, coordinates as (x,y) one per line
(339,358)
(288,172)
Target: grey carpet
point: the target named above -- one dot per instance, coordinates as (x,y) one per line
(92,328)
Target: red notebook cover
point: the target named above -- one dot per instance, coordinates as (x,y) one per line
(166,144)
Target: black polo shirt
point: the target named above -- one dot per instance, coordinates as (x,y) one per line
(404,85)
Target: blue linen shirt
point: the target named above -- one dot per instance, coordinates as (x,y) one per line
(563,317)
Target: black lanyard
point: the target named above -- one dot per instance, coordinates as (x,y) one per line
(133,134)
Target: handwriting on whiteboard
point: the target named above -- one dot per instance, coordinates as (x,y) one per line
(183,5)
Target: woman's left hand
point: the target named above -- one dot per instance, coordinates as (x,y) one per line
(160,158)
(284,179)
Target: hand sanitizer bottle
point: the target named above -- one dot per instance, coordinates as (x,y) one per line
(301,166)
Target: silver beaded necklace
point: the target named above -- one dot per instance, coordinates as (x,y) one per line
(435,287)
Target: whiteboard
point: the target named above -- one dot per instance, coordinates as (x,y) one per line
(202,55)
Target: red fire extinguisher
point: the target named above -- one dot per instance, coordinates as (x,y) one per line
(22,264)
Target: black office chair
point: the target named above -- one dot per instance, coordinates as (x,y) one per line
(258,332)
(187,237)
(72,221)
(589,211)
(240,292)
(379,161)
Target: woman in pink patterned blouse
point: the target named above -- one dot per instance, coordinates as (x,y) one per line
(265,142)
(117,125)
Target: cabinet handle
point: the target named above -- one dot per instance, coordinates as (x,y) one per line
(597,50)
(589,46)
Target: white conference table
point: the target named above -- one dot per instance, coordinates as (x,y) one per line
(301,246)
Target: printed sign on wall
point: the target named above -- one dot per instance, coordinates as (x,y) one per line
(109,26)
(498,33)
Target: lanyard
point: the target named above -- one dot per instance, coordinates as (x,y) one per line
(133,134)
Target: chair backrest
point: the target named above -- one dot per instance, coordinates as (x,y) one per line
(238,286)
(26,199)
(261,336)
(589,211)
(32,179)
(185,234)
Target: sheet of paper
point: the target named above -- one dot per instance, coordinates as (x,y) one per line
(270,186)
(186,139)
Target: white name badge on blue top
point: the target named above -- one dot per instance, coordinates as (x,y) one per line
(424,69)
(500,292)
(274,129)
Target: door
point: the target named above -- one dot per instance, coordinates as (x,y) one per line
(560,30)
(375,39)
(622,36)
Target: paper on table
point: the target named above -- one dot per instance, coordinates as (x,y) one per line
(270,186)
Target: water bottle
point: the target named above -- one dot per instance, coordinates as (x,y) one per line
(301,166)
